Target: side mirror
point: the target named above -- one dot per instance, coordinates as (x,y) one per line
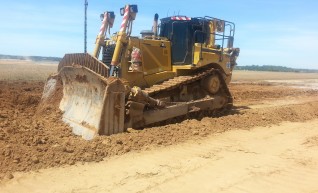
(122,11)
(132,9)
(199,37)
(111,14)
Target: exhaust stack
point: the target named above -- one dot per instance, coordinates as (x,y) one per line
(155,25)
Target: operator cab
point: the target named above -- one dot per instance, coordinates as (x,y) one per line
(183,32)
(180,30)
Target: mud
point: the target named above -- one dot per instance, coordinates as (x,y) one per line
(32,138)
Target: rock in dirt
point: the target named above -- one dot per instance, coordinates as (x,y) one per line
(35,160)
(9,176)
(16,160)
(69,150)
(195,132)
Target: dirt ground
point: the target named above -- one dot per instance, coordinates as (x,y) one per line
(33,139)
(280,158)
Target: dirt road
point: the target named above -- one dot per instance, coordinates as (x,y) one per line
(267,143)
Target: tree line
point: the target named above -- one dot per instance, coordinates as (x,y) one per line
(33,58)
(274,68)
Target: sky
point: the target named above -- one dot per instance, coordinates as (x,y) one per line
(268,32)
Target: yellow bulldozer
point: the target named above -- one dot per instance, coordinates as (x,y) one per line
(181,67)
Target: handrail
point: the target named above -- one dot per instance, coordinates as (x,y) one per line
(225,23)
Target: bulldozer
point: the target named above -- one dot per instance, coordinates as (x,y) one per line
(182,66)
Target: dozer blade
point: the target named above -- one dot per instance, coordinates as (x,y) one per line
(85,60)
(92,104)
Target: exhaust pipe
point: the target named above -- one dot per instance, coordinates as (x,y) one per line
(155,25)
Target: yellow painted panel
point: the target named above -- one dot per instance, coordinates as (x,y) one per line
(156,55)
(210,56)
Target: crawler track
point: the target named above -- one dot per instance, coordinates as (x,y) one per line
(173,85)
(177,82)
